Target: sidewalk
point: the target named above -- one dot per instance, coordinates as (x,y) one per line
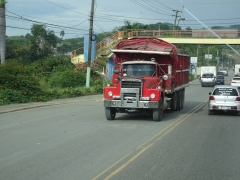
(22,106)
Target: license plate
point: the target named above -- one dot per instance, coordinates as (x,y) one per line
(225,107)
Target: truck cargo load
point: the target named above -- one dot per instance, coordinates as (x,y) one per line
(150,76)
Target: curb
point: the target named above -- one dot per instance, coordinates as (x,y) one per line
(12,109)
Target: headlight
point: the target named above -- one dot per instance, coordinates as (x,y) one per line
(110,93)
(152,95)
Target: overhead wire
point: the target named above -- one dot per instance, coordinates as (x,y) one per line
(65,7)
(145,7)
(153,5)
(33,21)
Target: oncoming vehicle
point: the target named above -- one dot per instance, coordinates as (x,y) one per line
(236,82)
(224,71)
(224,98)
(208,79)
(149,76)
(220,79)
(220,73)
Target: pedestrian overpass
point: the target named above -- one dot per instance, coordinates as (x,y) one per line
(204,37)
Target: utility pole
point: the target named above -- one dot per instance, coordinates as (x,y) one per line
(90,46)
(176,16)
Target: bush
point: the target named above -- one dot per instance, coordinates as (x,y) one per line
(18,85)
(51,64)
(191,77)
(67,78)
(50,78)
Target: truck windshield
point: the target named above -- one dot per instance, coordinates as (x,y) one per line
(207,76)
(139,69)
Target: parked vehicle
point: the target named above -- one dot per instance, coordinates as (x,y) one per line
(224,98)
(236,81)
(224,71)
(220,79)
(150,76)
(208,75)
(237,70)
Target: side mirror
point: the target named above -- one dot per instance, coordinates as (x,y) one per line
(210,93)
(116,71)
(165,77)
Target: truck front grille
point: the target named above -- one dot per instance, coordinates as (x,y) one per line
(132,84)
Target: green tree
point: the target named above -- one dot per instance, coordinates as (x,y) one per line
(62,33)
(42,42)
(2,31)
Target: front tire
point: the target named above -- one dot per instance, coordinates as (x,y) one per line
(157,113)
(110,113)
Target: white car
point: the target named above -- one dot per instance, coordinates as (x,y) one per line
(236,81)
(224,71)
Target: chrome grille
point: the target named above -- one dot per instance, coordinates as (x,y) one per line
(137,83)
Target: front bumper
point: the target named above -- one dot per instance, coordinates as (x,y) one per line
(131,104)
(220,82)
(208,83)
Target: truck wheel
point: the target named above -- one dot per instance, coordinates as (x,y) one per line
(174,101)
(110,113)
(157,113)
(182,97)
(179,100)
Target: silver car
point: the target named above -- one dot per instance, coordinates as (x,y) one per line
(224,98)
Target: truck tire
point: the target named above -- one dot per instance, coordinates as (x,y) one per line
(157,113)
(182,97)
(179,100)
(110,113)
(173,105)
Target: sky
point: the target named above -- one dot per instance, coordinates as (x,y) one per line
(72,16)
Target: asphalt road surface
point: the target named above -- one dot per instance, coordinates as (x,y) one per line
(74,141)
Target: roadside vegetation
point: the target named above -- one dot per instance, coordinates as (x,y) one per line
(44,80)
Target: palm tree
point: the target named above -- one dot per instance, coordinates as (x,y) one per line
(62,33)
(2,31)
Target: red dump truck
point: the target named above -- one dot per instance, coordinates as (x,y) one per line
(150,76)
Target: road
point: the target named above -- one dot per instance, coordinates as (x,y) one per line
(75,141)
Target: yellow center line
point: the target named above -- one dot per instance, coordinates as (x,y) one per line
(128,162)
(164,132)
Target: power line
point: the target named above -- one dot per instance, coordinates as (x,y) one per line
(66,8)
(145,7)
(52,25)
(30,29)
(152,5)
